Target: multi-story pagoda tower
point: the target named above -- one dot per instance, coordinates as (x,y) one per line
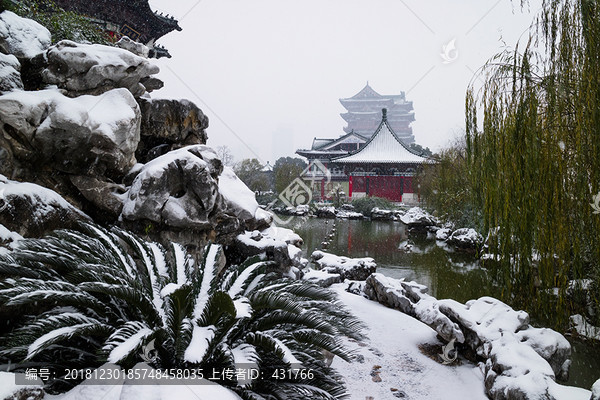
(364,113)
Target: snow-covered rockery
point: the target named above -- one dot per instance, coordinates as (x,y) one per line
(22,37)
(356,269)
(86,128)
(418,219)
(518,360)
(86,135)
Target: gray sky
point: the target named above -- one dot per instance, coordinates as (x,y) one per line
(269,73)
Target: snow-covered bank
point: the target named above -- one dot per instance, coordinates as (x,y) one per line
(393,344)
(394,341)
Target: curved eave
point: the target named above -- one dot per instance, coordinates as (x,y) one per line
(341,160)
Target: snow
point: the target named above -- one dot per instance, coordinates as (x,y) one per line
(103,61)
(345,214)
(321,278)
(8,385)
(169,289)
(52,335)
(127,262)
(243,309)
(237,286)
(157,298)
(237,195)
(443,233)
(418,216)
(284,234)
(36,114)
(44,201)
(181,262)
(10,77)
(596,390)
(207,276)
(465,237)
(130,344)
(288,357)
(202,389)
(25,37)
(351,268)
(163,205)
(8,238)
(393,340)
(584,328)
(383,147)
(245,354)
(201,337)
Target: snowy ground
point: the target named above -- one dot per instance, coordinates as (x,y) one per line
(405,372)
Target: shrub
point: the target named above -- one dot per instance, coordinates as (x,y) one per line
(364,205)
(61,24)
(446,188)
(79,300)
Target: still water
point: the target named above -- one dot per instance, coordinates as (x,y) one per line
(447,274)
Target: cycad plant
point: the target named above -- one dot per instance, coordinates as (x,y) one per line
(81,299)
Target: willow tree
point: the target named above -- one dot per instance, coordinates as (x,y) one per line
(534,162)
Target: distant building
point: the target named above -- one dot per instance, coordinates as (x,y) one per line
(383,167)
(132,18)
(379,165)
(364,108)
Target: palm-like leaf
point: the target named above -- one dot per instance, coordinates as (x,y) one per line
(105,294)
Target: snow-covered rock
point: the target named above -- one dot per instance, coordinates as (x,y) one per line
(31,210)
(106,196)
(8,239)
(583,328)
(22,37)
(521,362)
(325,212)
(596,391)
(9,389)
(466,239)
(418,219)
(345,214)
(241,201)
(179,189)
(281,245)
(94,68)
(321,278)
(356,269)
(10,76)
(87,135)
(167,125)
(386,215)
(411,298)
(137,48)
(443,234)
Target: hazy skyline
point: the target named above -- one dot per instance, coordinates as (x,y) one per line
(269,73)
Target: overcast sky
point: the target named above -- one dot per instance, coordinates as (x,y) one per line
(269,73)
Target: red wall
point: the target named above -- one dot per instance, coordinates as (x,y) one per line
(389,187)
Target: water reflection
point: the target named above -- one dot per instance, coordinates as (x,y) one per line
(447,274)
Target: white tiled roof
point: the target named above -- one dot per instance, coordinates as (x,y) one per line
(383,147)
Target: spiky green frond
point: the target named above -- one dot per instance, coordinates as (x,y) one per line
(101,295)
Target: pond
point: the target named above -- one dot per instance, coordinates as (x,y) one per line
(447,274)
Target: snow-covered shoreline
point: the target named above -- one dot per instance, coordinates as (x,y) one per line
(393,344)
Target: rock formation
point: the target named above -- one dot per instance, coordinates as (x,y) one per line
(518,360)
(355,269)
(22,37)
(84,139)
(167,125)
